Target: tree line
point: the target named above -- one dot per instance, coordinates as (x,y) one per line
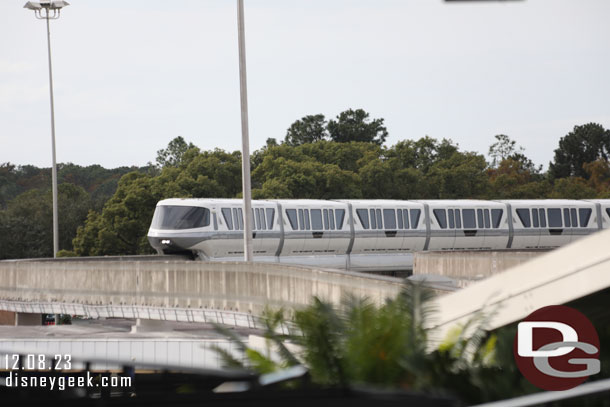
(343,158)
(26,205)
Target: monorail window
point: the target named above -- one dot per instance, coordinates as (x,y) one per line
(363,215)
(458,219)
(292,218)
(258,219)
(307,224)
(238,219)
(555,218)
(469,220)
(316,219)
(524,215)
(389,218)
(441,218)
(270,218)
(451,219)
(263,220)
(379,220)
(496,217)
(543,217)
(480,218)
(415,218)
(566,217)
(181,217)
(535,222)
(373,219)
(487,220)
(331,218)
(574,217)
(405,216)
(399,218)
(585,214)
(226,214)
(326,226)
(608,211)
(301,220)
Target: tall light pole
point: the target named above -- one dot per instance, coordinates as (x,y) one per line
(50,10)
(245,139)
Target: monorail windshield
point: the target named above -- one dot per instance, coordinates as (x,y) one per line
(180,217)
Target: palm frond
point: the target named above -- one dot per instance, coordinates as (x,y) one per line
(228,360)
(260,362)
(322,336)
(233,337)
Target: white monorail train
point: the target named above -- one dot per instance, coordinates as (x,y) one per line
(368,235)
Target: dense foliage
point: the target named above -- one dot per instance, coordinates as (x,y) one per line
(386,346)
(340,158)
(26,205)
(392,346)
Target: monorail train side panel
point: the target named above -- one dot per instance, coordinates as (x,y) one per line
(315,233)
(368,235)
(385,234)
(551,223)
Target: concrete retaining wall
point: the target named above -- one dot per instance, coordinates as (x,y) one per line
(236,286)
(467,266)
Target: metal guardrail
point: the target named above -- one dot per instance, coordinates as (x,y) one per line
(231,318)
(206,316)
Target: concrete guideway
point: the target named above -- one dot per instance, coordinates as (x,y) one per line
(176,290)
(465,267)
(577,270)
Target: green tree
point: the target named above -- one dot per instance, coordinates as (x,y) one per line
(572,188)
(87,239)
(172,155)
(411,161)
(584,144)
(26,229)
(515,178)
(99,182)
(599,175)
(308,129)
(421,154)
(355,125)
(8,183)
(291,179)
(458,177)
(504,148)
(22,237)
(347,156)
(122,225)
(209,174)
(378,180)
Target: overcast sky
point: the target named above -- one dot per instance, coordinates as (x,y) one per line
(131,75)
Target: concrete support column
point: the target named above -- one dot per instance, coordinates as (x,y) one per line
(150,325)
(23,319)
